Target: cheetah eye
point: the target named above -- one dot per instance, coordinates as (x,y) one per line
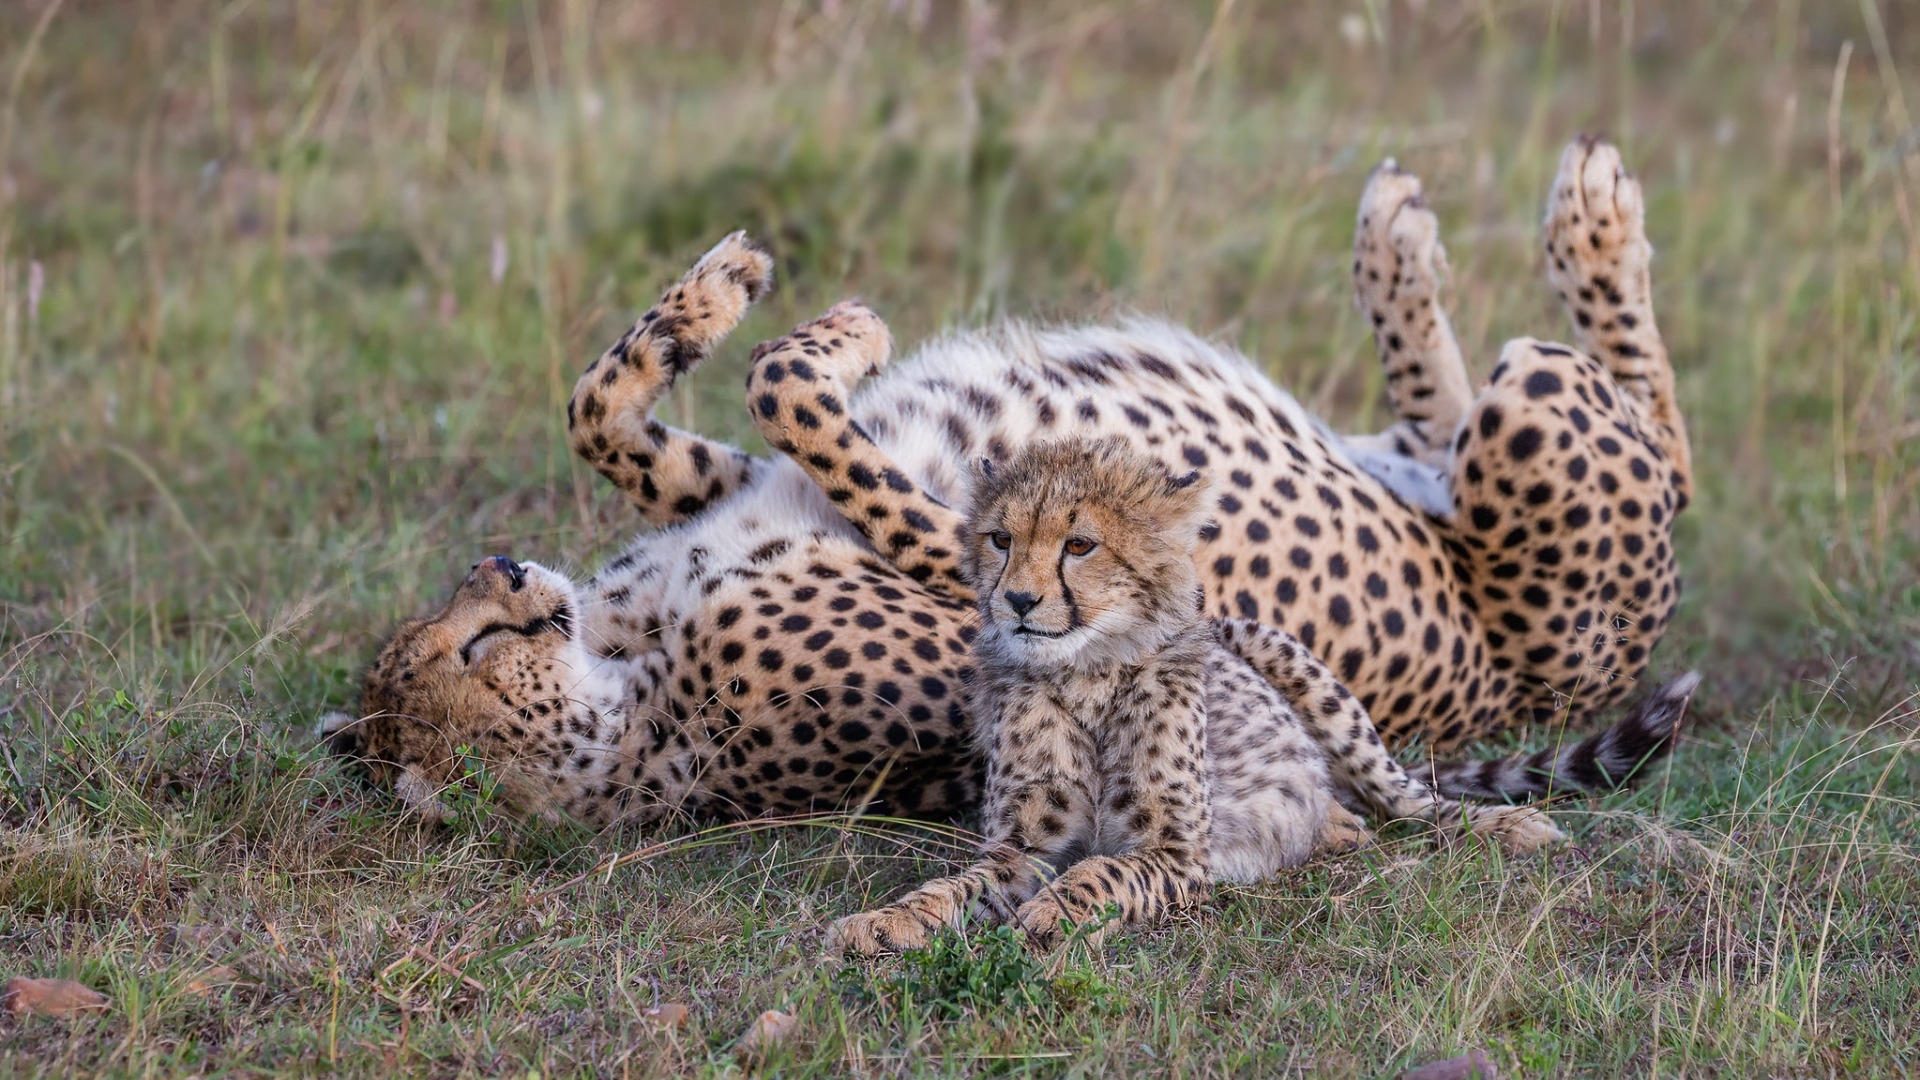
(1079,545)
(1001,539)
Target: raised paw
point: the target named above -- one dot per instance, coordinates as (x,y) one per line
(1397,256)
(843,345)
(884,930)
(1345,831)
(708,302)
(1596,239)
(1397,266)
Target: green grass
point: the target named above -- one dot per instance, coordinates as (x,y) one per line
(272,388)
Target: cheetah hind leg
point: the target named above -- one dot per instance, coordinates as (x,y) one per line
(1600,264)
(1397,266)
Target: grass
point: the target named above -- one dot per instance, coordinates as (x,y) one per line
(290,297)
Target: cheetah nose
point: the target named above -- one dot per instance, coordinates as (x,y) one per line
(1021,602)
(500,564)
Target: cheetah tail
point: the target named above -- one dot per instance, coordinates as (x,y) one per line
(1601,762)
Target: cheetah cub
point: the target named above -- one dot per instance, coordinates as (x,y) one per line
(1125,744)
(1138,751)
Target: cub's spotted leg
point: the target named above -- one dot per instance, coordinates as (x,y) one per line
(666,473)
(1355,755)
(1599,261)
(797,393)
(1153,810)
(1000,882)
(1397,263)
(1028,826)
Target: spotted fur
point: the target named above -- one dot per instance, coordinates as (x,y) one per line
(796,632)
(1132,759)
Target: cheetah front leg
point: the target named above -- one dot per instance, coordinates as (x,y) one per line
(1154,815)
(1397,260)
(1599,261)
(666,473)
(1030,826)
(1356,757)
(798,392)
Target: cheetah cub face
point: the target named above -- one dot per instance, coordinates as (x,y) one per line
(1081,558)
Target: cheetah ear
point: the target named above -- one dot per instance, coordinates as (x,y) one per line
(1185,507)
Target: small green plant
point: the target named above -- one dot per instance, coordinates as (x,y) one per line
(472,801)
(956,973)
(989,971)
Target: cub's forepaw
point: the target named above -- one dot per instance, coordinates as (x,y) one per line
(872,933)
(1041,918)
(701,309)
(737,260)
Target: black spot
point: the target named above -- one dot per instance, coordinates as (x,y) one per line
(1339,610)
(1542,383)
(1525,443)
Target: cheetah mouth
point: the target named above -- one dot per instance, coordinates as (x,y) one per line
(561,621)
(1023,630)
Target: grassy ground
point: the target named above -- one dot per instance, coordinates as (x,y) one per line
(290,297)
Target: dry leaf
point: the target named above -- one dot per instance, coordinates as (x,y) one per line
(1473,1065)
(668,1015)
(51,997)
(212,979)
(767,1031)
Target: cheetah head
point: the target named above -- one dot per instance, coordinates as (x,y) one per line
(486,679)
(1081,551)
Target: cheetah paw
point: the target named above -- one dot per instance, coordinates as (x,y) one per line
(884,930)
(1041,918)
(1344,832)
(1397,256)
(843,345)
(700,310)
(1521,830)
(738,261)
(1595,228)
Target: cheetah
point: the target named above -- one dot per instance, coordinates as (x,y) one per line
(795,632)
(1132,758)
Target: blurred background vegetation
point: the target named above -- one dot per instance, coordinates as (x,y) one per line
(291,295)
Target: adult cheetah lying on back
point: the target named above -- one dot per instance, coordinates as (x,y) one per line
(797,631)
(1132,757)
